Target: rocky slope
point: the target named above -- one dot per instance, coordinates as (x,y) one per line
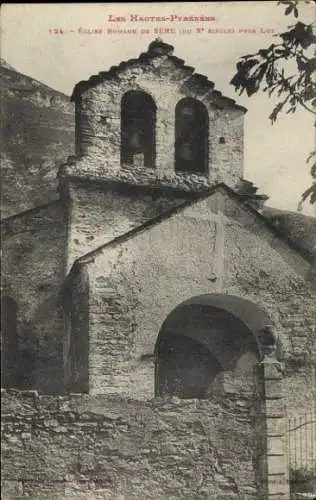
(37,133)
(299,228)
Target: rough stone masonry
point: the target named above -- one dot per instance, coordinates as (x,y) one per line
(158,328)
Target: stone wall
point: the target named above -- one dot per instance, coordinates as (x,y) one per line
(102,141)
(137,282)
(100,212)
(76,342)
(80,447)
(287,294)
(167,81)
(33,270)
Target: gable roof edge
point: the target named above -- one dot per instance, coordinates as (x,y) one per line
(157,48)
(89,256)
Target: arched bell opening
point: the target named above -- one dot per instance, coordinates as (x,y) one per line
(191,136)
(138,129)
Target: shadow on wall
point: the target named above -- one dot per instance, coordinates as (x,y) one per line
(9,343)
(20,355)
(203,351)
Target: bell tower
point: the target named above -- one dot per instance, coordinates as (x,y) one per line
(150,134)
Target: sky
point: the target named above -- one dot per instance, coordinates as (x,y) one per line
(275,155)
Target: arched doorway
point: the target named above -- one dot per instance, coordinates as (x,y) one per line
(221,348)
(199,341)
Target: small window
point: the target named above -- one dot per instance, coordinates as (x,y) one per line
(191,136)
(138,124)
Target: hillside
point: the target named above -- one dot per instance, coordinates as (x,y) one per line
(299,228)
(37,133)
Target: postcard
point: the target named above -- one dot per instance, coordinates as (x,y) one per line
(158,250)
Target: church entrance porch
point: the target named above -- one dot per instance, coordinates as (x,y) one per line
(221,348)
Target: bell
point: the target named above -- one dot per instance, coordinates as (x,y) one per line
(185,151)
(134,141)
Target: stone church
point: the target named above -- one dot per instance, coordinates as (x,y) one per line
(153,314)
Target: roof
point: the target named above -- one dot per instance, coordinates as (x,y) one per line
(158,49)
(307,255)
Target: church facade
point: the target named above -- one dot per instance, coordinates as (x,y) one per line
(155,279)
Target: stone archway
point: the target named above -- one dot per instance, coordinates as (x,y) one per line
(217,345)
(199,341)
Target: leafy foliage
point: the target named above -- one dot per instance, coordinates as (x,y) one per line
(286,69)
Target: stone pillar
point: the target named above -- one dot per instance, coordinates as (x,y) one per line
(273,460)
